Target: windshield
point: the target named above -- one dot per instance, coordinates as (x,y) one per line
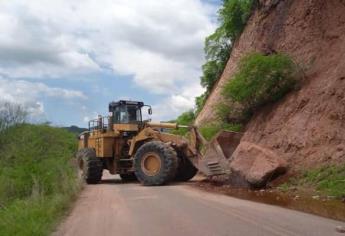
(127,114)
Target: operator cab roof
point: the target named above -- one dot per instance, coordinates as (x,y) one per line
(112,105)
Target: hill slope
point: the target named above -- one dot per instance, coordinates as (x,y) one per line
(75,129)
(307,127)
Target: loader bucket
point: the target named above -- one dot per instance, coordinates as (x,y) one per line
(217,153)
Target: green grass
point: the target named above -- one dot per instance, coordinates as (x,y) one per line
(328,180)
(37,178)
(285,187)
(210,130)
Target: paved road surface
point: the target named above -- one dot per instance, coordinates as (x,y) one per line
(114,208)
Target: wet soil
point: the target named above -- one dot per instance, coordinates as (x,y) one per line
(296,200)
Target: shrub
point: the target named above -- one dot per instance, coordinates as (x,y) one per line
(231,112)
(186,118)
(200,102)
(210,130)
(261,79)
(222,111)
(11,114)
(212,70)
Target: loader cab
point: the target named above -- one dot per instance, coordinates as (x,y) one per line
(126,115)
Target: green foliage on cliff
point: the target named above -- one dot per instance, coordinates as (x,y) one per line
(37,178)
(261,79)
(210,130)
(200,102)
(232,18)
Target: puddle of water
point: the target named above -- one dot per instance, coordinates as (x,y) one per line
(330,208)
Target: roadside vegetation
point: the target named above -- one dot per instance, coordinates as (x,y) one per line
(186,118)
(37,178)
(326,180)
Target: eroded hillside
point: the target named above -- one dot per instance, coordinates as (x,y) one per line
(307,127)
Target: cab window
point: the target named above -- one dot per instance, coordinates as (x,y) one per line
(126,114)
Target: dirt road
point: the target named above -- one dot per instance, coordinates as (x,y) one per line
(114,208)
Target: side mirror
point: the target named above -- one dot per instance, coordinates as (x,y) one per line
(149,111)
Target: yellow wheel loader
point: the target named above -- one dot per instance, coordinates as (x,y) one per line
(125,144)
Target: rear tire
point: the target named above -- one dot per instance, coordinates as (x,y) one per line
(91,167)
(155,163)
(186,170)
(129,177)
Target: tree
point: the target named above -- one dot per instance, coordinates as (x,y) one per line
(200,102)
(11,114)
(232,17)
(186,118)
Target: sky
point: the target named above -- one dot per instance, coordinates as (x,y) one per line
(65,60)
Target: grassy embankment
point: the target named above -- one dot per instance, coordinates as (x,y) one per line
(324,181)
(37,178)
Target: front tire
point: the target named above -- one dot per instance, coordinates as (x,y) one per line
(186,170)
(155,163)
(128,177)
(90,166)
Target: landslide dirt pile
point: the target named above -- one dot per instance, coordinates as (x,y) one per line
(307,127)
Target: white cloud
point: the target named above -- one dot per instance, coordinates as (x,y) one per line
(172,106)
(86,119)
(30,93)
(152,71)
(157,42)
(31,47)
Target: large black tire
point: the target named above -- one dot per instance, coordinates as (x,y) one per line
(168,163)
(129,177)
(90,166)
(186,170)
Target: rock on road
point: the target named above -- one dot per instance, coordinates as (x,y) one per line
(116,208)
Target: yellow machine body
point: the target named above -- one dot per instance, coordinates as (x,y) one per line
(116,139)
